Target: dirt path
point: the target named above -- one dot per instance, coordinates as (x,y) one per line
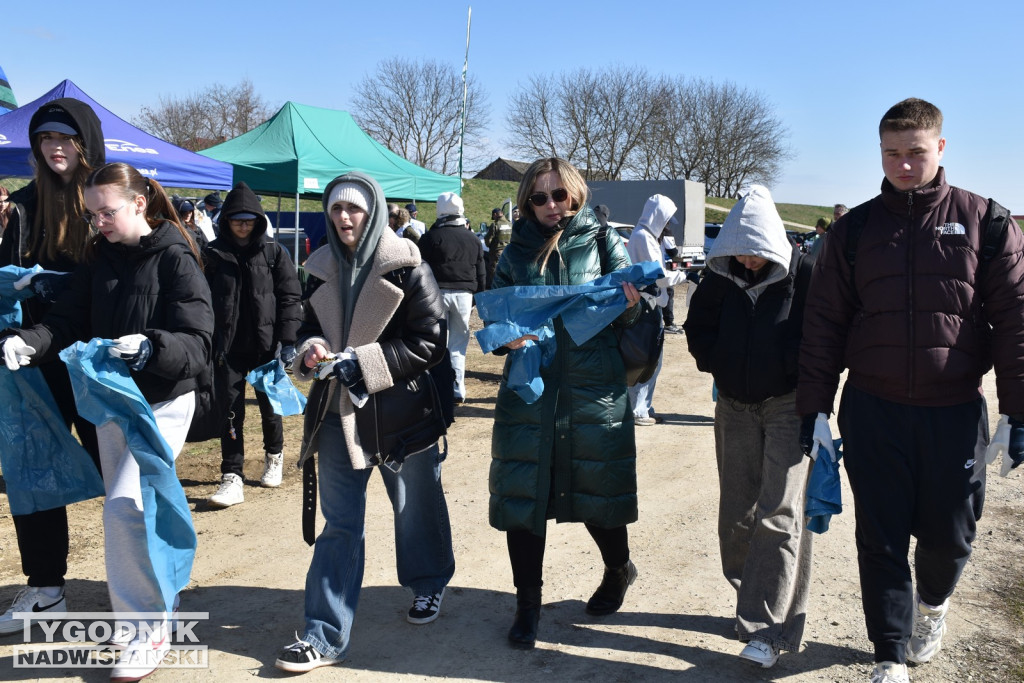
(676,623)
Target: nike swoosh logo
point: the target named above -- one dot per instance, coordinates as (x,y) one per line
(42,608)
(158,645)
(969,464)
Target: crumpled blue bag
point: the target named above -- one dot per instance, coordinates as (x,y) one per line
(44,466)
(105,392)
(272,380)
(585,310)
(824,494)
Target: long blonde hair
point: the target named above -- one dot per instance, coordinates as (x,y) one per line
(58,230)
(574,183)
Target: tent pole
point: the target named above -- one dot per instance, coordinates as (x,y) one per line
(296,250)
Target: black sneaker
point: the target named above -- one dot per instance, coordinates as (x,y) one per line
(425,608)
(300,657)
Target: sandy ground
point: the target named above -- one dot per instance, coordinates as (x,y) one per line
(676,623)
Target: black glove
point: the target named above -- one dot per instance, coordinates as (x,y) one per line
(48,286)
(350,374)
(1016,450)
(287,354)
(807,433)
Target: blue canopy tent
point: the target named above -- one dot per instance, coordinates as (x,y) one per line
(155,158)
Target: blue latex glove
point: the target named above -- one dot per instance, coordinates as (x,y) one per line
(134,350)
(287,354)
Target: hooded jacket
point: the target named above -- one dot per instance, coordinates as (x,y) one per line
(645,242)
(393,327)
(571,455)
(454,254)
(24,202)
(255,288)
(155,289)
(744,327)
(922,323)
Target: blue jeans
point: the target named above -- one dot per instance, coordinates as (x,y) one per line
(423,539)
(641,396)
(458,304)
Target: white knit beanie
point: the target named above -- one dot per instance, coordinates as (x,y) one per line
(449,204)
(353,193)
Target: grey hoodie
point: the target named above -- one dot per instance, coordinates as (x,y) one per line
(752,228)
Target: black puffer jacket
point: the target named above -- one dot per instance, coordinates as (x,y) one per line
(155,289)
(454,253)
(750,348)
(255,290)
(19,234)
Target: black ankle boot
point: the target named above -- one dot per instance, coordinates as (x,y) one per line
(523,634)
(609,595)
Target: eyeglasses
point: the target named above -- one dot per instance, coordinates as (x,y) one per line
(243,222)
(541,198)
(97,219)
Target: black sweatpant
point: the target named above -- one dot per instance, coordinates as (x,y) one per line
(43,536)
(232,450)
(668,313)
(526,552)
(915,471)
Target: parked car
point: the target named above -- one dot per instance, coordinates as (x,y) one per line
(624,230)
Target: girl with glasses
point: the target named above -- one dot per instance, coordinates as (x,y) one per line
(570,456)
(140,285)
(45,227)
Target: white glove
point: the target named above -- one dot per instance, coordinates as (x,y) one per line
(128,345)
(16,352)
(1000,443)
(822,438)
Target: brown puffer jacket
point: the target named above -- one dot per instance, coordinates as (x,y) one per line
(920,328)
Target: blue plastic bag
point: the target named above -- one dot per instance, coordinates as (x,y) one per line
(585,310)
(105,392)
(44,466)
(272,380)
(824,494)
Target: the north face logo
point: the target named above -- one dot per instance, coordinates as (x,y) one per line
(950,229)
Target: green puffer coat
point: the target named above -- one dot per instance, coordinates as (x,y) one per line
(571,455)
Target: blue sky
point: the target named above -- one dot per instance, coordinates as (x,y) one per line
(830,69)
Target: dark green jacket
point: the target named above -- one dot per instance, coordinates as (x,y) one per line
(571,455)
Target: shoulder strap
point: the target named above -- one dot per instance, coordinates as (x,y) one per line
(994,225)
(602,248)
(855,221)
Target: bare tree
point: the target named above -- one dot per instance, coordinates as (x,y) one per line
(594,119)
(203,119)
(415,110)
(625,123)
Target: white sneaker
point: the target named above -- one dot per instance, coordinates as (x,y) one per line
(929,627)
(272,468)
(760,652)
(229,493)
(890,672)
(143,655)
(31,599)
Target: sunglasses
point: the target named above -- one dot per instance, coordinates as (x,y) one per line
(541,198)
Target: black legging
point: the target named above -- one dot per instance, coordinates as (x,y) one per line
(526,552)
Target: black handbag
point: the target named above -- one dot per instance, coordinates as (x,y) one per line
(640,344)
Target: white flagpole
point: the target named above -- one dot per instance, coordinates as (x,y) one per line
(465,69)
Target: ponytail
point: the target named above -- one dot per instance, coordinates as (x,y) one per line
(130,184)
